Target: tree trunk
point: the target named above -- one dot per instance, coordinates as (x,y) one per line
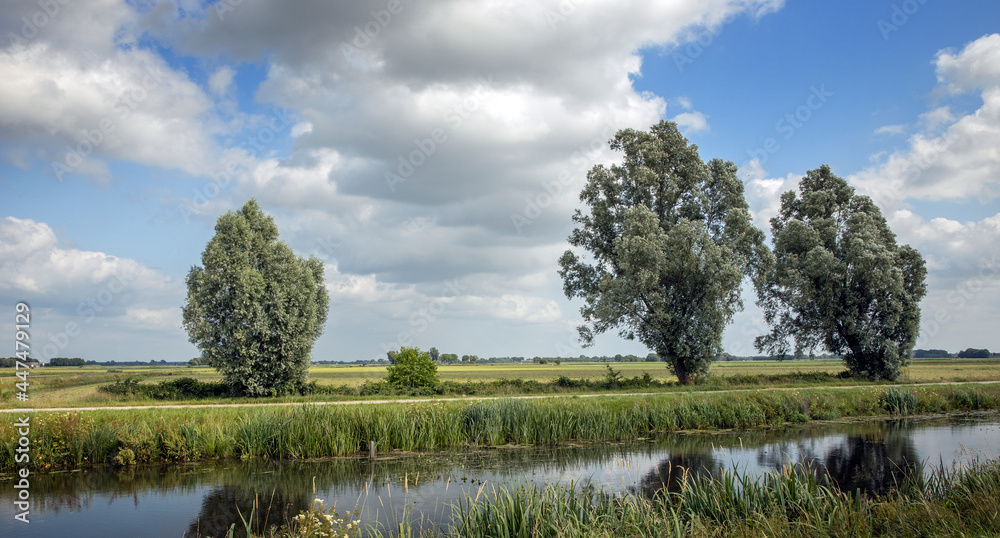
(683,377)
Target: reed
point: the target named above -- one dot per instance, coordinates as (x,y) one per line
(73,439)
(957,502)
(960,501)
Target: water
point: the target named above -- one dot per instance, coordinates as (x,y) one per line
(204,500)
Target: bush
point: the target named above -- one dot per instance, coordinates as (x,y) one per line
(176,389)
(413,369)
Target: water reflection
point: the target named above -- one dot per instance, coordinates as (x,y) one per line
(205,500)
(869,459)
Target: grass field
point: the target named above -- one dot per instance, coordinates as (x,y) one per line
(77,386)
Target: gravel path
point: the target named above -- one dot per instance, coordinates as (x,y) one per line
(472,398)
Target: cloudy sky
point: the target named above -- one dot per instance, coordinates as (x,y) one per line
(431,153)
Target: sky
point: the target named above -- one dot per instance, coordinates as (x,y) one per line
(432,153)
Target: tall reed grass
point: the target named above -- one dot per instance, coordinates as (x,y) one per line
(961,501)
(62,440)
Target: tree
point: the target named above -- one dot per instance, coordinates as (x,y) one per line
(671,239)
(970,353)
(254,308)
(413,369)
(449,357)
(434,353)
(66,361)
(840,280)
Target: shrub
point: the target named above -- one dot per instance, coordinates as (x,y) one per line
(413,369)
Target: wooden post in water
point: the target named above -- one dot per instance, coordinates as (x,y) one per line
(372,449)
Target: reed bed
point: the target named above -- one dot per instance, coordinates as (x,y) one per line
(73,439)
(956,502)
(961,501)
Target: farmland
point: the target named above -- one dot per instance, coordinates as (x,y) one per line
(78,386)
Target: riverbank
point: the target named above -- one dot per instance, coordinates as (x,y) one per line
(71,439)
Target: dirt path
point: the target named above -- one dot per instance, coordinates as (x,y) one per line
(473,398)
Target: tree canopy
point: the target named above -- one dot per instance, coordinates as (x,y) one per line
(671,239)
(840,281)
(254,308)
(413,369)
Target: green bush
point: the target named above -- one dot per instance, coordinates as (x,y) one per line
(413,369)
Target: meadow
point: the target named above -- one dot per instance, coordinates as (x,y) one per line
(78,386)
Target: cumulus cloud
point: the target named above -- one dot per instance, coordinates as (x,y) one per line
(83,299)
(32,261)
(952,157)
(456,160)
(691,122)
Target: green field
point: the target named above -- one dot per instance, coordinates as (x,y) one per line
(77,386)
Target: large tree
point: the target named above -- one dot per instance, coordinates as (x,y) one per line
(254,308)
(840,281)
(671,239)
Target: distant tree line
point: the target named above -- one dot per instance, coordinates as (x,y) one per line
(11,362)
(66,361)
(969,353)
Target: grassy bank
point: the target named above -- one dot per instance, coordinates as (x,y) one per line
(72,439)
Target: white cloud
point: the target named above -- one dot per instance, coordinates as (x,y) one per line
(221,80)
(977,66)
(953,158)
(83,299)
(937,117)
(691,122)
(32,261)
(891,129)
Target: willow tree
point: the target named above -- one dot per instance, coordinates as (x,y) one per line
(840,281)
(254,308)
(670,239)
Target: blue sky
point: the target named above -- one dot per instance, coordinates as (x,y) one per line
(310,114)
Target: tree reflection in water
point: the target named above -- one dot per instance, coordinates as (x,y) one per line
(876,463)
(872,460)
(228,505)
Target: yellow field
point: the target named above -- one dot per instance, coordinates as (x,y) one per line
(77,386)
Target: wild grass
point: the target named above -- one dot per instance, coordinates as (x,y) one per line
(961,501)
(73,439)
(957,502)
